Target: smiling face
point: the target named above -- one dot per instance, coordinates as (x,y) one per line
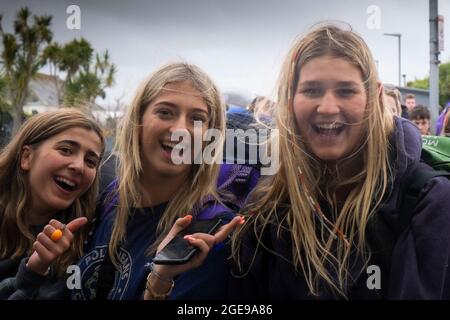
(175,108)
(329,107)
(61,169)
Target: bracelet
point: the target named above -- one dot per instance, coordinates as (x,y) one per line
(158,296)
(152,270)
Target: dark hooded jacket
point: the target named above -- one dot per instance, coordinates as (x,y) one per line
(416,267)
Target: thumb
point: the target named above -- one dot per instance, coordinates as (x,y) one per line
(76,224)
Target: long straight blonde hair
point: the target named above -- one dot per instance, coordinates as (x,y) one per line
(313,253)
(202,178)
(16,239)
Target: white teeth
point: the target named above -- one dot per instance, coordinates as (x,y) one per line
(68,182)
(169,145)
(330,126)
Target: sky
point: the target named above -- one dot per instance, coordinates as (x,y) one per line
(239,43)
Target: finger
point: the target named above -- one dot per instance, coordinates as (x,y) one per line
(56,224)
(207,238)
(202,246)
(45,255)
(57,248)
(226,230)
(76,224)
(48,230)
(180,224)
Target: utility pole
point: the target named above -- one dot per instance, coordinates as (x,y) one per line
(434,63)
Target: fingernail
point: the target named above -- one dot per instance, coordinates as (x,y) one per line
(187,237)
(188,217)
(242,221)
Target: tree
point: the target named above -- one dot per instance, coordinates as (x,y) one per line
(444,83)
(22,56)
(83,83)
(91,82)
(52,56)
(4,105)
(75,55)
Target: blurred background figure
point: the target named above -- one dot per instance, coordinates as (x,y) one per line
(392,99)
(261,106)
(440,122)
(446,125)
(410,101)
(420,116)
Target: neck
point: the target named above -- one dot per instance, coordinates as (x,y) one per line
(157,189)
(39,216)
(338,172)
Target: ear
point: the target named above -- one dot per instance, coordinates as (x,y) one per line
(25,158)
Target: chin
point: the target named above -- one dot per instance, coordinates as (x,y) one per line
(328,156)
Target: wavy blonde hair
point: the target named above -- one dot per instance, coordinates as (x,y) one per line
(313,253)
(202,178)
(16,239)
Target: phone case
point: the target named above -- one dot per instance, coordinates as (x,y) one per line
(178,250)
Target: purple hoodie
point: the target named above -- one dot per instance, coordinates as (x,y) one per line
(419,264)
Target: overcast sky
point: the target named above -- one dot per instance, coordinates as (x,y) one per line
(240,43)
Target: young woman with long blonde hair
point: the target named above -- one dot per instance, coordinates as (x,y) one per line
(328,224)
(154,198)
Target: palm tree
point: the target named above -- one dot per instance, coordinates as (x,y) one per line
(22,56)
(89,84)
(52,56)
(4,106)
(75,55)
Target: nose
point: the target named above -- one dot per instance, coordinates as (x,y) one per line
(328,104)
(77,164)
(181,123)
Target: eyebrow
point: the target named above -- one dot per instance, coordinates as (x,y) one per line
(77,145)
(339,83)
(174,106)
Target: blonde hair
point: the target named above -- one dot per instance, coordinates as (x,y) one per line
(202,179)
(313,253)
(393,92)
(15,236)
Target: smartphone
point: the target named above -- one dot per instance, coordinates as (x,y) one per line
(178,250)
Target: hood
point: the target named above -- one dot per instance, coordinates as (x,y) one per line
(406,144)
(406,147)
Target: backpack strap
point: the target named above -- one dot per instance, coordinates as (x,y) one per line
(239,180)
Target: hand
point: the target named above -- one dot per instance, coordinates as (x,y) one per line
(46,250)
(203,241)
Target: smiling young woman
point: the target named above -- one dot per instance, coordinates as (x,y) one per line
(48,177)
(335,206)
(154,198)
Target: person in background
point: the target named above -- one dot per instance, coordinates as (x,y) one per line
(410,101)
(392,98)
(420,116)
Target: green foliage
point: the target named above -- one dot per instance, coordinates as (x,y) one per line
(86,77)
(21,57)
(4,105)
(444,83)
